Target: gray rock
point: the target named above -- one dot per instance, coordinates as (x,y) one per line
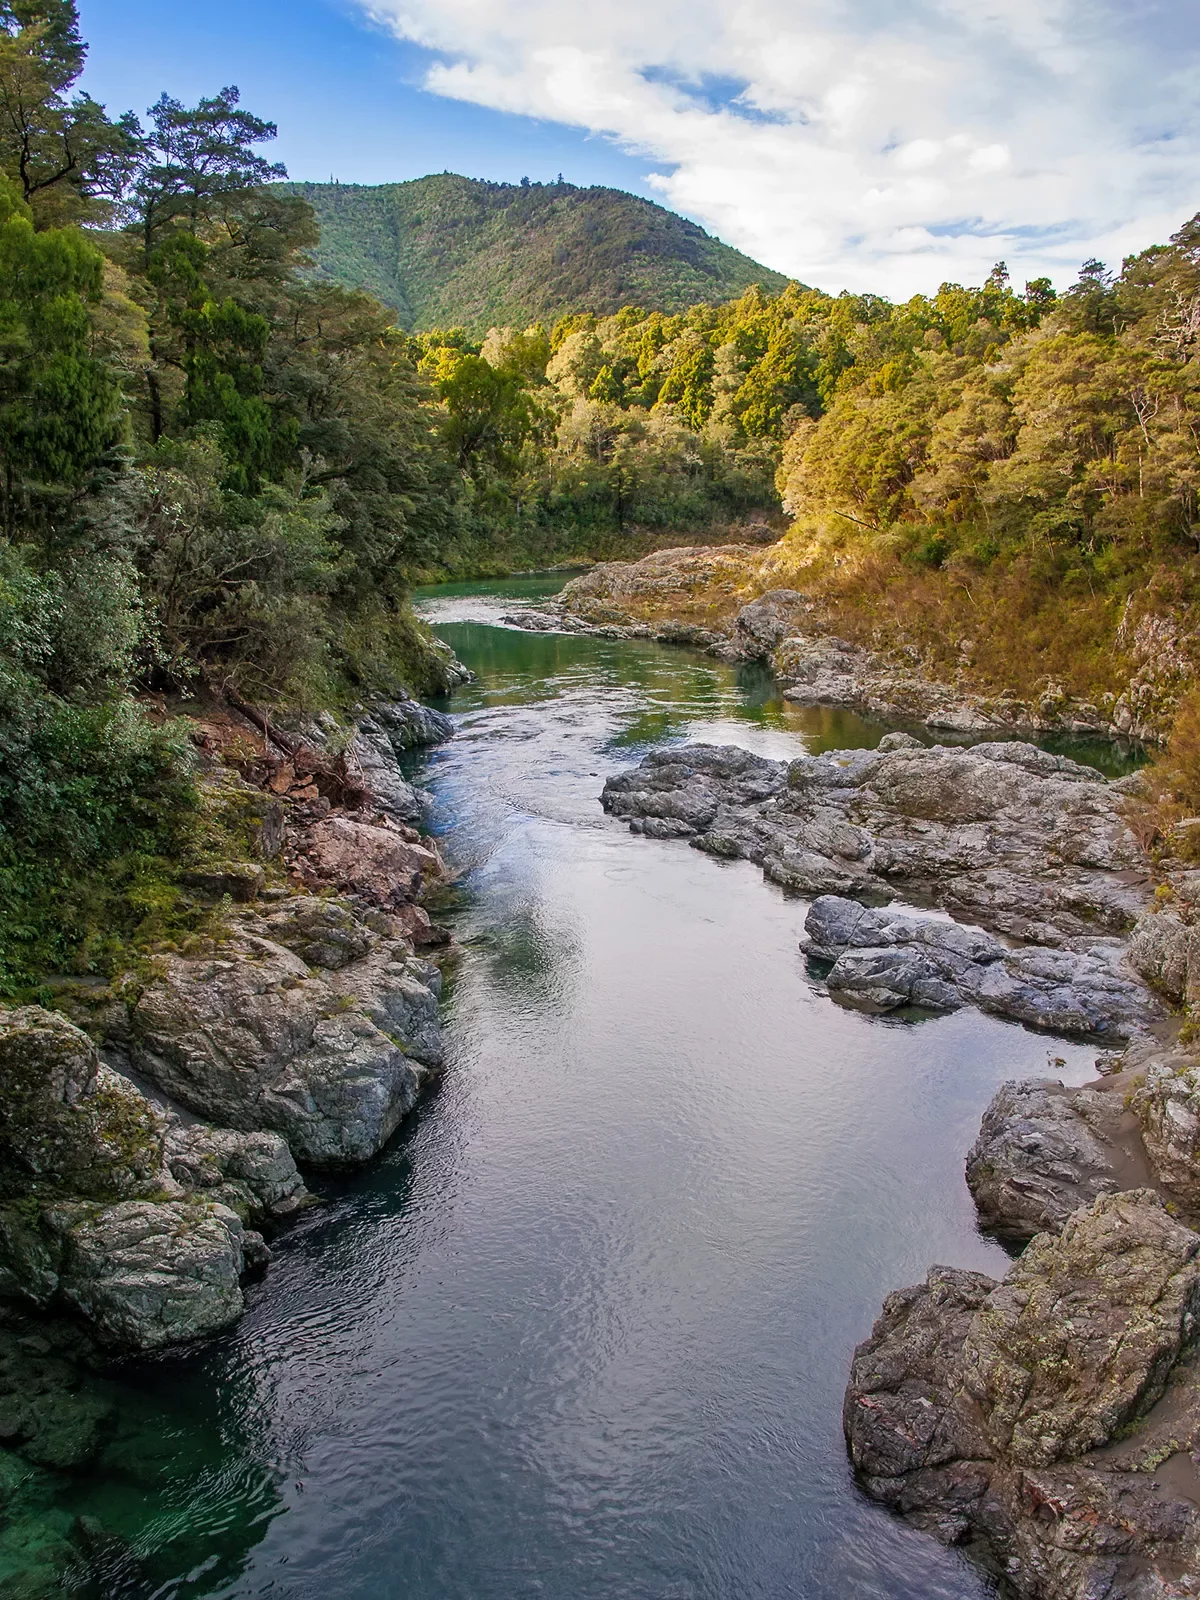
(142,1274)
(1165,951)
(145,1276)
(371,751)
(1032,1416)
(1167,1107)
(1043,1151)
(253,1174)
(251,1037)
(408,724)
(1020,841)
(69,1125)
(887,959)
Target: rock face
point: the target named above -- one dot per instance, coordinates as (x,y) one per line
(883,960)
(255,1037)
(1025,843)
(1167,1106)
(1035,1415)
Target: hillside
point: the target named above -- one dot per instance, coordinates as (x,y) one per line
(447,250)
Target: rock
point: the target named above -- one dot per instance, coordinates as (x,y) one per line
(371,751)
(323,933)
(761,627)
(378,863)
(142,1274)
(1081,1336)
(1024,842)
(912,1436)
(145,1276)
(1166,953)
(621,592)
(408,724)
(1043,1151)
(1034,1418)
(251,1037)
(69,1125)
(240,880)
(253,1174)
(887,959)
(1167,1107)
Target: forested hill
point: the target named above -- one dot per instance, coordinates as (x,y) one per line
(453,251)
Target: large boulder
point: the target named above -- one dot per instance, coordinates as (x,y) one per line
(252,1037)
(1032,1417)
(386,866)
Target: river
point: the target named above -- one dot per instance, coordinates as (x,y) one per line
(583,1332)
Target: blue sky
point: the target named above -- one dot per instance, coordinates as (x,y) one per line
(865,144)
(345,93)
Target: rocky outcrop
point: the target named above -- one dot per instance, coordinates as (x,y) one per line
(1005,836)
(253,1036)
(701,593)
(1026,843)
(885,960)
(1049,1418)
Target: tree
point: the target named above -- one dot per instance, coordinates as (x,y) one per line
(62,153)
(195,160)
(60,408)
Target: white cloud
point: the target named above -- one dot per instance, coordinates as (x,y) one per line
(883,144)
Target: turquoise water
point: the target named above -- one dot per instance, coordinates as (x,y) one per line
(582,1332)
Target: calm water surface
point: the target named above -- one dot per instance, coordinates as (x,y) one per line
(582,1334)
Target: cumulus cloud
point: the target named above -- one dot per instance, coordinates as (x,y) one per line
(883,144)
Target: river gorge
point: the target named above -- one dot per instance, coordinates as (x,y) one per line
(584,1329)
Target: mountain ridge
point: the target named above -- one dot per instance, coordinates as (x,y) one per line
(445,250)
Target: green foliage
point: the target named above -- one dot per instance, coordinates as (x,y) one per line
(59,406)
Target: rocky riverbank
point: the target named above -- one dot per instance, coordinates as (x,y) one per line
(156,1127)
(1050,1421)
(722,600)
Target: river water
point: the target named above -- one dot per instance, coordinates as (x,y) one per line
(582,1333)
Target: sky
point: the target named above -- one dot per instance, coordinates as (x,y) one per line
(888,145)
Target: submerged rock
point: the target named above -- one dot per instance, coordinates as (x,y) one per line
(1033,1416)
